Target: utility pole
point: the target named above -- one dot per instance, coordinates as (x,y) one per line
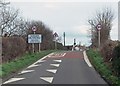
(74,41)
(64,38)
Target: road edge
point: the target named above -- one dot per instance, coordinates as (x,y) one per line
(86,59)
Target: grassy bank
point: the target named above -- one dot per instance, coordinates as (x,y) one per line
(102,68)
(18,64)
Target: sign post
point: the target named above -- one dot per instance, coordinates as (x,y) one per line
(55,37)
(33,45)
(34,38)
(99,28)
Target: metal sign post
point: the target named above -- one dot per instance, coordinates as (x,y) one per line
(34,38)
(55,37)
(99,28)
(39,47)
(33,45)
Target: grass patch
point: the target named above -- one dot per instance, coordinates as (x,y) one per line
(98,62)
(24,61)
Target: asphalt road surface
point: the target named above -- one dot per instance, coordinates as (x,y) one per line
(69,67)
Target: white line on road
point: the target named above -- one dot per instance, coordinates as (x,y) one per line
(52,70)
(42,59)
(57,60)
(33,66)
(56,65)
(64,54)
(47,79)
(86,59)
(13,80)
(26,71)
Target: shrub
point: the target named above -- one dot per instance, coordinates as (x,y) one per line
(116,60)
(107,50)
(12,47)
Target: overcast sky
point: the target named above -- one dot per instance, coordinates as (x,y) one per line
(69,17)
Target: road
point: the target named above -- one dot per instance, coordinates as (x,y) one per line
(70,67)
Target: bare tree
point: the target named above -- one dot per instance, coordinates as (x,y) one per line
(47,34)
(104,18)
(8,19)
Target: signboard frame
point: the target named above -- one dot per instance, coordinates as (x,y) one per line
(34,38)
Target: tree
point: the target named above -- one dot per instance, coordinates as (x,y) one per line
(47,34)
(11,24)
(7,19)
(104,18)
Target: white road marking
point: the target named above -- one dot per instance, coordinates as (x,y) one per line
(33,66)
(86,59)
(41,59)
(47,79)
(64,54)
(50,54)
(57,60)
(26,71)
(55,55)
(13,80)
(52,70)
(56,65)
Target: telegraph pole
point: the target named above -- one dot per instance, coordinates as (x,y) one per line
(74,41)
(64,38)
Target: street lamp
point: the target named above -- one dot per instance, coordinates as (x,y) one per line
(99,28)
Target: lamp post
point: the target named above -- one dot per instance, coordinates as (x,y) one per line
(99,28)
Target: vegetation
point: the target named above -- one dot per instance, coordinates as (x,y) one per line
(14,32)
(104,18)
(116,60)
(18,64)
(12,47)
(105,71)
(107,50)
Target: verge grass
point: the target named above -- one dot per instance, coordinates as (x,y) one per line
(105,71)
(13,66)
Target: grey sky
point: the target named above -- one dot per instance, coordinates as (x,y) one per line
(69,17)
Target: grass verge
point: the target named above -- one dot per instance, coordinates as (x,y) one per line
(98,63)
(18,64)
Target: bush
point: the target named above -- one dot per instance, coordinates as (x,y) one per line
(104,70)
(116,60)
(12,47)
(107,50)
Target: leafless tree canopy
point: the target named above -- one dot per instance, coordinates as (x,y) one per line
(104,18)
(10,21)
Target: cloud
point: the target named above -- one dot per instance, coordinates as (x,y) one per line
(82,29)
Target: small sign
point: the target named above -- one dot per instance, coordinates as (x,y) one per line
(99,26)
(34,28)
(34,38)
(55,34)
